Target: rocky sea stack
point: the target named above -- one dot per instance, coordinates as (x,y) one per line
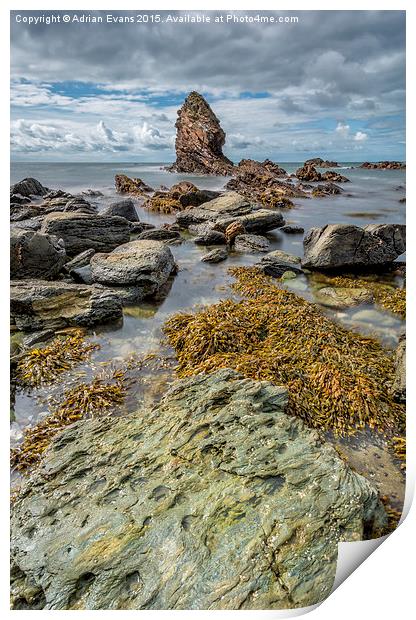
(199,139)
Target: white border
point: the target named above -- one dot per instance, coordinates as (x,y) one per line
(383,585)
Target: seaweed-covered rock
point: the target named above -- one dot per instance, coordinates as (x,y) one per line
(37,304)
(126,185)
(321,163)
(35,255)
(384,165)
(82,232)
(146,264)
(343,245)
(199,139)
(217,484)
(122,208)
(399,384)
(343,297)
(308,173)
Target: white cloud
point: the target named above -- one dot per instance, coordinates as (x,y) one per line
(343,129)
(360,136)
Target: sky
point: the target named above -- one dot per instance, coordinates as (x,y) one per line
(330,85)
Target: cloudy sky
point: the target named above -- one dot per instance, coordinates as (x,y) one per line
(332,85)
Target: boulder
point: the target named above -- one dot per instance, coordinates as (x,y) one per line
(343,297)
(199,139)
(399,384)
(292,230)
(214,499)
(122,208)
(160,234)
(80,260)
(215,256)
(83,232)
(23,190)
(342,245)
(211,237)
(126,185)
(230,208)
(144,264)
(36,305)
(251,243)
(35,255)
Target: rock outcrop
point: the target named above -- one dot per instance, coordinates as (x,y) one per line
(321,163)
(135,186)
(144,264)
(199,139)
(215,499)
(342,245)
(35,255)
(37,304)
(23,191)
(308,173)
(230,208)
(384,165)
(81,232)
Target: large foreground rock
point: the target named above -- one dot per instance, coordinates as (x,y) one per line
(83,232)
(37,304)
(199,139)
(215,499)
(230,208)
(343,245)
(35,255)
(146,264)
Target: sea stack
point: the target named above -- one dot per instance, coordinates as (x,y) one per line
(199,139)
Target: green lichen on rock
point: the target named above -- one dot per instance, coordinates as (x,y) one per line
(215,499)
(337,380)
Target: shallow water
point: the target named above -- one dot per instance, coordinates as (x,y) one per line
(372,196)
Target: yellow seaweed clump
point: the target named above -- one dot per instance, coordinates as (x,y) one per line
(275,199)
(399,447)
(41,366)
(337,380)
(98,397)
(163,204)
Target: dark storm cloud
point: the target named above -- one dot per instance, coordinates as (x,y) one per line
(336,49)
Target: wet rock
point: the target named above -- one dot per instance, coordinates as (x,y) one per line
(22,212)
(37,304)
(292,230)
(308,173)
(199,139)
(384,165)
(211,237)
(343,297)
(230,208)
(126,185)
(251,243)
(81,260)
(280,255)
(342,245)
(215,256)
(82,232)
(399,384)
(216,483)
(143,264)
(334,177)
(160,234)
(328,189)
(22,191)
(93,193)
(35,255)
(33,223)
(277,263)
(231,232)
(122,208)
(321,163)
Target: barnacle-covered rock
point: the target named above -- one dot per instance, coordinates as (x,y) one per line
(216,484)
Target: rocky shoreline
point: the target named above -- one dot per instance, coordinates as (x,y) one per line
(229,477)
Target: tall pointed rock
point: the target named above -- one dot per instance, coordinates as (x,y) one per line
(199,139)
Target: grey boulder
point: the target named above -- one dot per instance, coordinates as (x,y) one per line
(122,208)
(35,255)
(82,232)
(36,305)
(145,264)
(215,256)
(215,499)
(343,245)
(251,243)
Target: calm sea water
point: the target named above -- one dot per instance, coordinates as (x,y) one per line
(372,196)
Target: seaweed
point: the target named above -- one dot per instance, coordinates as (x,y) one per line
(41,366)
(399,447)
(96,398)
(337,380)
